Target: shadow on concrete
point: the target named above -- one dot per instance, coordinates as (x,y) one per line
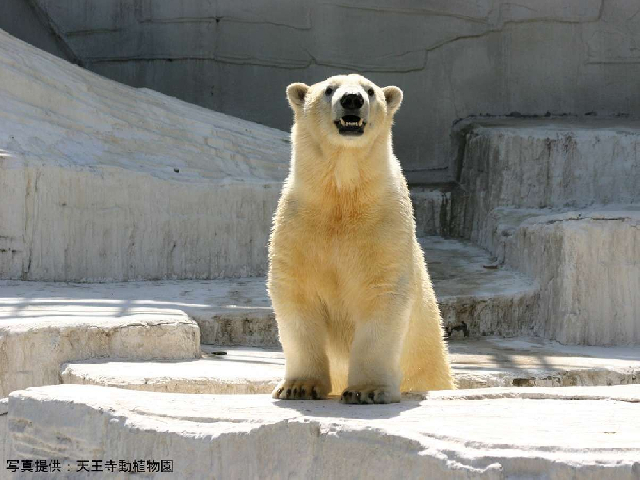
(332,408)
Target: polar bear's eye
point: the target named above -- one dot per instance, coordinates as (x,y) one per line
(370,92)
(328,91)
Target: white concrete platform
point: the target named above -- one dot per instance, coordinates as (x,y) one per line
(45,325)
(576,432)
(533,362)
(587,263)
(477,363)
(545,163)
(242,370)
(477,297)
(104,182)
(558,199)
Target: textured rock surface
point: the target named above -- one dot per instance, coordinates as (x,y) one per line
(43,326)
(232,311)
(544,163)
(242,370)
(477,363)
(532,362)
(588,266)
(245,436)
(432,209)
(451,58)
(586,263)
(559,201)
(477,296)
(100,181)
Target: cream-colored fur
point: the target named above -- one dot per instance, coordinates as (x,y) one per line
(354,303)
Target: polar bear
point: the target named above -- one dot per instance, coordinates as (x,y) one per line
(356,311)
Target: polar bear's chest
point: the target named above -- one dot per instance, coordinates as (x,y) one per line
(335,264)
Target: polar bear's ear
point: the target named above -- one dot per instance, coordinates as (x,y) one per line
(296,93)
(393,96)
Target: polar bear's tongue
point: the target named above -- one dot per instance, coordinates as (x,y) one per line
(351,118)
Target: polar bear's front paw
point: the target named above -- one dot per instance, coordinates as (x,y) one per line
(304,389)
(364,394)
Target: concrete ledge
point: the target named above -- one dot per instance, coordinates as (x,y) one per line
(477,295)
(476,363)
(543,163)
(533,362)
(587,265)
(242,370)
(237,436)
(42,326)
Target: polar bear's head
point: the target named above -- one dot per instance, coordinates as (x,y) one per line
(345,110)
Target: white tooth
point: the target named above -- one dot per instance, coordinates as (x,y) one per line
(360,122)
(342,122)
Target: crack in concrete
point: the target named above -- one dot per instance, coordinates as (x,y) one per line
(253,61)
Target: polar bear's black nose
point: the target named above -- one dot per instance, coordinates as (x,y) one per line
(351,101)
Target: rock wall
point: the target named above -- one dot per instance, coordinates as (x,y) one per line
(558,200)
(103,182)
(541,164)
(451,58)
(587,265)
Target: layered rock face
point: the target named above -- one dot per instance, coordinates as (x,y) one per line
(103,182)
(559,200)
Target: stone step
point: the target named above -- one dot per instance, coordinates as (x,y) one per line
(559,201)
(104,182)
(543,163)
(477,296)
(586,263)
(477,363)
(44,325)
(474,299)
(460,434)
(241,370)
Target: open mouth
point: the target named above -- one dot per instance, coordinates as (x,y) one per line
(350,125)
